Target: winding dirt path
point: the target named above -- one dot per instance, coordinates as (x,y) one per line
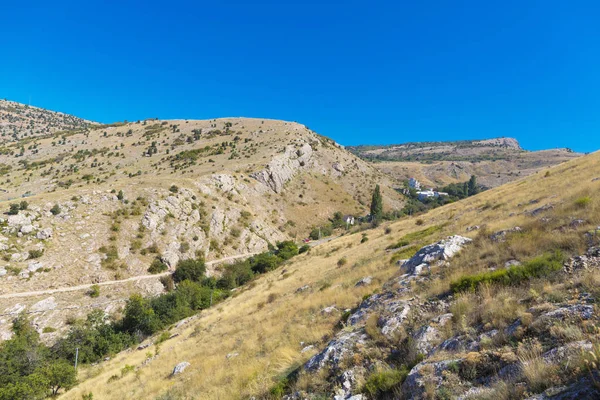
(106,283)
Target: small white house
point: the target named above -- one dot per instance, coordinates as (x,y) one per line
(413,183)
(430,193)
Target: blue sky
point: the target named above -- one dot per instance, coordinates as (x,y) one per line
(359,72)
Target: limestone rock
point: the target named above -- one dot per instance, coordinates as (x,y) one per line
(179,368)
(44,234)
(440,251)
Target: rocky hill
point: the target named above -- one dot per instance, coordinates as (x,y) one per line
(19,121)
(97,204)
(493,296)
(493,161)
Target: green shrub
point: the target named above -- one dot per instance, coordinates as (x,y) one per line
(55,210)
(94,291)
(48,329)
(157,266)
(35,253)
(582,202)
(190,269)
(303,249)
(381,383)
(537,267)
(173,189)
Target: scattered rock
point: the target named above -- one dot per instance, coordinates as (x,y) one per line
(232,355)
(364,281)
(336,350)
(44,234)
(303,289)
(500,236)
(328,310)
(540,210)
(179,368)
(440,251)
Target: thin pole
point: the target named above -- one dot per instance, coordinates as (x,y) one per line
(76,356)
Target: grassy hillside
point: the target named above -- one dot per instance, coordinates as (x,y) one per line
(246,345)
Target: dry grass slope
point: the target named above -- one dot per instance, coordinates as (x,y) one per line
(240,348)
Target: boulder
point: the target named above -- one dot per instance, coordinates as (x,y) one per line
(44,234)
(364,281)
(26,229)
(440,251)
(179,368)
(336,350)
(500,236)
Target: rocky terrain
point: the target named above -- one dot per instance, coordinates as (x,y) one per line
(491,297)
(99,203)
(494,161)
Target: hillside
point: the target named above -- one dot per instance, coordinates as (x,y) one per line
(99,204)
(493,161)
(19,121)
(351,318)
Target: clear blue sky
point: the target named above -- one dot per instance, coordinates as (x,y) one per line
(360,72)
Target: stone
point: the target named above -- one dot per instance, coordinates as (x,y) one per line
(328,310)
(577,311)
(44,305)
(17,221)
(415,383)
(500,236)
(179,368)
(34,266)
(364,281)
(512,263)
(440,251)
(44,234)
(232,355)
(2,271)
(336,350)
(26,229)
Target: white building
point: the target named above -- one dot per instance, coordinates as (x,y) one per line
(414,184)
(424,194)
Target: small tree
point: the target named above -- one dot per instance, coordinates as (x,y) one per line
(376,206)
(192,270)
(61,375)
(120,195)
(14,209)
(55,210)
(473,188)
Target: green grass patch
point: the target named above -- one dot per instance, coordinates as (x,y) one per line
(414,236)
(537,267)
(386,382)
(404,254)
(582,202)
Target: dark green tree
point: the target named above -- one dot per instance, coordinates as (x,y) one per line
(473,188)
(376,206)
(192,270)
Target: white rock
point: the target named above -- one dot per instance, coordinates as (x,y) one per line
(44,234)
(179,368)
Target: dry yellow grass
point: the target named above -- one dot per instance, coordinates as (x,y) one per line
(268,338)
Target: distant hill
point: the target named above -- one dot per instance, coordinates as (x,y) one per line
(494,161)
(19,121)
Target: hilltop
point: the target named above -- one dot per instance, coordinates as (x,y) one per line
(493,161)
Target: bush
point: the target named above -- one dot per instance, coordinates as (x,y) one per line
(381,383)
(55,210)
(535,268)
(342,261)
(303,249)
(94,291)
(286,250)
(14,209)
(157,266)
(582,202)
(173,189)
(190,269)
(35,253)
